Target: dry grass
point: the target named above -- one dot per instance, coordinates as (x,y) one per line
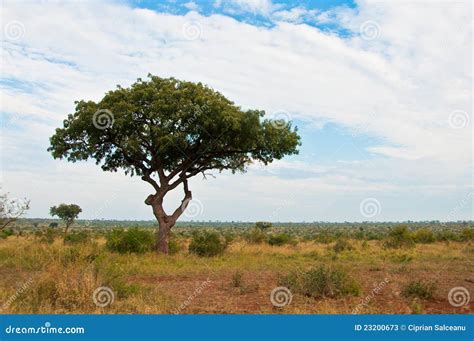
(61,279)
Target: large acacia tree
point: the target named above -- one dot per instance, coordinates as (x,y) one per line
(167,131)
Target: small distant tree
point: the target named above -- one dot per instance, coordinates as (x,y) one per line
(68,213)
(263,225)
(11,210)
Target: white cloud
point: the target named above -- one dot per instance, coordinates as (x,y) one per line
(262,7)
(401,86)
(192,6)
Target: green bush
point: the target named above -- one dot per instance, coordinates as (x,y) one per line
(255,236)
(342,245)
(207,244)
(130,241)
(467,234)
(263,225)
(419,289)
(399,237)
(173,246)
(324,238)
(281,239)
(445,235)
(6,233)
(46,236)
(81,237)
(321,282)
(424,236)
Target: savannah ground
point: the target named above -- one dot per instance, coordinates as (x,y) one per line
(41,277)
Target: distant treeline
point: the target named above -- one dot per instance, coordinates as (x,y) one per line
(39,222)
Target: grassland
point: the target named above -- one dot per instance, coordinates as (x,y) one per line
(39,277)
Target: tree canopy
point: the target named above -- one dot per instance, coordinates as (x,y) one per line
(68,213)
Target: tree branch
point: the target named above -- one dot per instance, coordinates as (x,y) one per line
(184,203)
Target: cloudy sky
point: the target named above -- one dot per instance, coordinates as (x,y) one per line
(381,92)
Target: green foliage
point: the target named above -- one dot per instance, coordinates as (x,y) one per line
(424,236)
(420,289)
(255,236)
(281,239)
(342,245)
(6,233)
(46,236)
(467,234)
(263,225)
(68,213)
(130,241)
(82,237)
(172,121)
(446,235)
(324,237)
(53,225)
(321,282)
(207,244)
(399,237)
(173,246)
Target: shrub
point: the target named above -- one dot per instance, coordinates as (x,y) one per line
(424,236)
(255,236)
(130,241)
(207,244)
(322,282)
(228,237)
(445,235)
(53,225)
(399,237)
(324,237)
(467,234)
(6,233)
(342,245)
(419,289)
(281,239)
(81,237)
(237,279)
(173,246)
(46,236)
(263,225)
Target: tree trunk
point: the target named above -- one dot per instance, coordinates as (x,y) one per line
(165,221)
(164,228)
(162,237)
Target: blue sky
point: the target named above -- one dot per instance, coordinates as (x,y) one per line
(384,114)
